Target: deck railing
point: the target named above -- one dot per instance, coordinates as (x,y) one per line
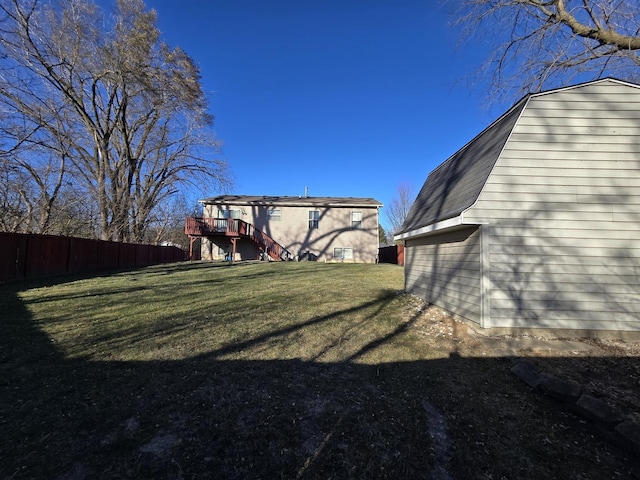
(211,226)
(204,226)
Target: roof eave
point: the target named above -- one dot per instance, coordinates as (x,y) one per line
(433,228)
(326,202)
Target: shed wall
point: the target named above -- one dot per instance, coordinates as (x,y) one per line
(444,269)
(563,202)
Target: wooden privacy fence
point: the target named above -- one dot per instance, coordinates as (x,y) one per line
(392,254)
(25,256)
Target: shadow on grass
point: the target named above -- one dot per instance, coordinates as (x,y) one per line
(160,269)
(204,417)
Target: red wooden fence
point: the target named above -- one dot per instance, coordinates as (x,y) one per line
(25,256)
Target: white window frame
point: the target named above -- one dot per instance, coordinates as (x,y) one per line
(314,219)
(343,253)
(228,213)
(273,216)
(356,219)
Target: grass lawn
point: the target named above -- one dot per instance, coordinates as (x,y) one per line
(265,370)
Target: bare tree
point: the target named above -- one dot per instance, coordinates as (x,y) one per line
(123,110)
(397,211)
(167,225)
(548,43)
(34,152)
(74,214)
(15,212)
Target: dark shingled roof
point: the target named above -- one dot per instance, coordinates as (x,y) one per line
(292,201)
(455,185)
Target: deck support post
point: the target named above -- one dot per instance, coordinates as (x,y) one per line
(192,240)
(233,248)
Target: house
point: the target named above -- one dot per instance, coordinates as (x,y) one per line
(331,229)
(535,223)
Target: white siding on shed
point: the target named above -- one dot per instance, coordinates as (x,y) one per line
(563,202)
(444,269)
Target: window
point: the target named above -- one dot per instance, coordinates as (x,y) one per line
(343,253)
(356,219)
(314,219)
(229,213)
(274,214)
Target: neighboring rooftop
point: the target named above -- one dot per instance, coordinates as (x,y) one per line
(291,201)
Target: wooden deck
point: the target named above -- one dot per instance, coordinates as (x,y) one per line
(198,227)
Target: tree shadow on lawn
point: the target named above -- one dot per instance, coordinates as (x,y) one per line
(204,417)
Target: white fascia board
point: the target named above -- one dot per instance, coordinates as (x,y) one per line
(433,228)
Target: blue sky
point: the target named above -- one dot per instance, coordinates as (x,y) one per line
(345,97)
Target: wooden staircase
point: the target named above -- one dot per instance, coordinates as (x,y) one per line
(197,227)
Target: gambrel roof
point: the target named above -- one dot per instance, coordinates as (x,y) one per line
(455,185)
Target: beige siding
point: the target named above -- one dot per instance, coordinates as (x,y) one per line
(563,202)
(445,270)
(293,233)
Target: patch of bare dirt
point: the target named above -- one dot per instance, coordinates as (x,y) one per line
(607,369)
